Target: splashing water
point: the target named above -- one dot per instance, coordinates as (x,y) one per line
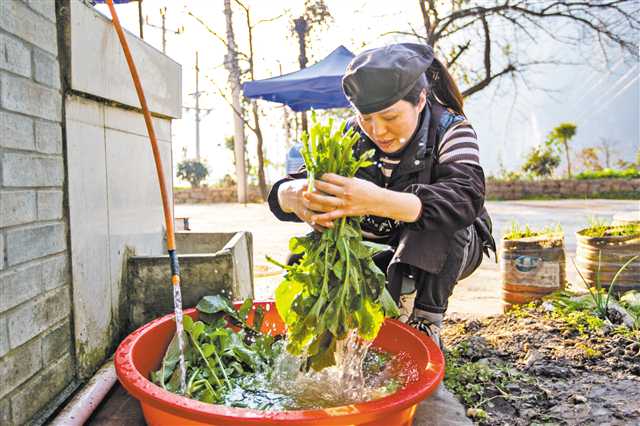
(177,307)
(361,373)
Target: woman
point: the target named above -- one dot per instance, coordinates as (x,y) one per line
(423,196)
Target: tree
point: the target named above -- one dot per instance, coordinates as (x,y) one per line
(590,159)
(607,146)
(193,171)
(458,28)
(541,161)
(559,138)
(231,64)
(315,15)
(248,73)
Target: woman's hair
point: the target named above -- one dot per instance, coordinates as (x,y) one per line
(440,85)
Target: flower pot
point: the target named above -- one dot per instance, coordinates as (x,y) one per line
(611,252)
(142,351)
(531,268)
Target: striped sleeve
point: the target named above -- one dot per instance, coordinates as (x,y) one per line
(459,145)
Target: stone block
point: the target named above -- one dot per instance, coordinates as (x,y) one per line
(16,18)
(48,137)
(36,393)
(19,365)
(17,207)
(56,343)
(34,241)
(4,337)
(16,131)
(46,8)
(20,170)
(1,252)
(55,272)
(32,318)
(49,205)
(20,285)
(46,69)
(15,56)
(149,283)
(29,97)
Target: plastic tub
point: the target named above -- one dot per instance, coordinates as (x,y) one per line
(141,352)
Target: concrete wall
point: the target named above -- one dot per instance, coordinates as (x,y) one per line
(36,350)
(215,263)
(115,209)
(560,188)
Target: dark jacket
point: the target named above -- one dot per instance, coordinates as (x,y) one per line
(452,194)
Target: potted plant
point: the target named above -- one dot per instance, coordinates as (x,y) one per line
(532,263)
(603,249)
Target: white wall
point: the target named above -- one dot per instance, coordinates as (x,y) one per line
(114,198)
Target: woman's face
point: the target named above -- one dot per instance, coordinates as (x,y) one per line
(391,128)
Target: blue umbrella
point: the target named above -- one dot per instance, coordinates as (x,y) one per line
(318,86)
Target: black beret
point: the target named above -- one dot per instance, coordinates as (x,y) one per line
(378,78)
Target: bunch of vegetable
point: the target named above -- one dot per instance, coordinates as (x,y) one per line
(336,287)
(218,357)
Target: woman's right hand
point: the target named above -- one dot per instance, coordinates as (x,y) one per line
(291,199)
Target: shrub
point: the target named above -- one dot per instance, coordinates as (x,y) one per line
(193,171)
(541,162)
(630,173)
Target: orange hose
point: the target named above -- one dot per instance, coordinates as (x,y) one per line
(168,217)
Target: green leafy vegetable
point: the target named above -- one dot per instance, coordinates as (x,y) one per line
(217,356)
(336,287)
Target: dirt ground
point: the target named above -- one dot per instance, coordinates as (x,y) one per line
(540,370)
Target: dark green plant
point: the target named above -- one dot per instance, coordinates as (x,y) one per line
(336,287)
(193,171)
(599,297)
(216,356)
(541,161)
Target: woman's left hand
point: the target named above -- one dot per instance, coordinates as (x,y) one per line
(342,196)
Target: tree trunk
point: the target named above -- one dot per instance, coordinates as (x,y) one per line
(566,151)
(262,182)
(231,63)
(301,28)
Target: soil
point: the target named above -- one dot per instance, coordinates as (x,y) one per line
(567,377)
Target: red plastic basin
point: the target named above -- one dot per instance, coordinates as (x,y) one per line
(141,352)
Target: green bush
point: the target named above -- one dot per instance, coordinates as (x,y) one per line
(630,173)
(193,171)
(541,162)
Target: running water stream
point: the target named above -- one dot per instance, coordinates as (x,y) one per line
(177,307)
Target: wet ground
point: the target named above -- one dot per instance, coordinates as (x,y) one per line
(476,296)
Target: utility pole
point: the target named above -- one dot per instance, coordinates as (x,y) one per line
(197,108)
(197,95)
(163,28)
(231,63)
(140,22)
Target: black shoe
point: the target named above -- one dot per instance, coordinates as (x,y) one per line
(429,328)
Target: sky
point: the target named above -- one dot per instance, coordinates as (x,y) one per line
(603,99)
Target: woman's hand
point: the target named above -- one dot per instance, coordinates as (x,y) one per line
(340,196)
(291,200)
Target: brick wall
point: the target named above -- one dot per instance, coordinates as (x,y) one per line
(36,361)
(561,188)
(213,195)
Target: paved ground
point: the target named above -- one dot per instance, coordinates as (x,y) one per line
(478,295)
